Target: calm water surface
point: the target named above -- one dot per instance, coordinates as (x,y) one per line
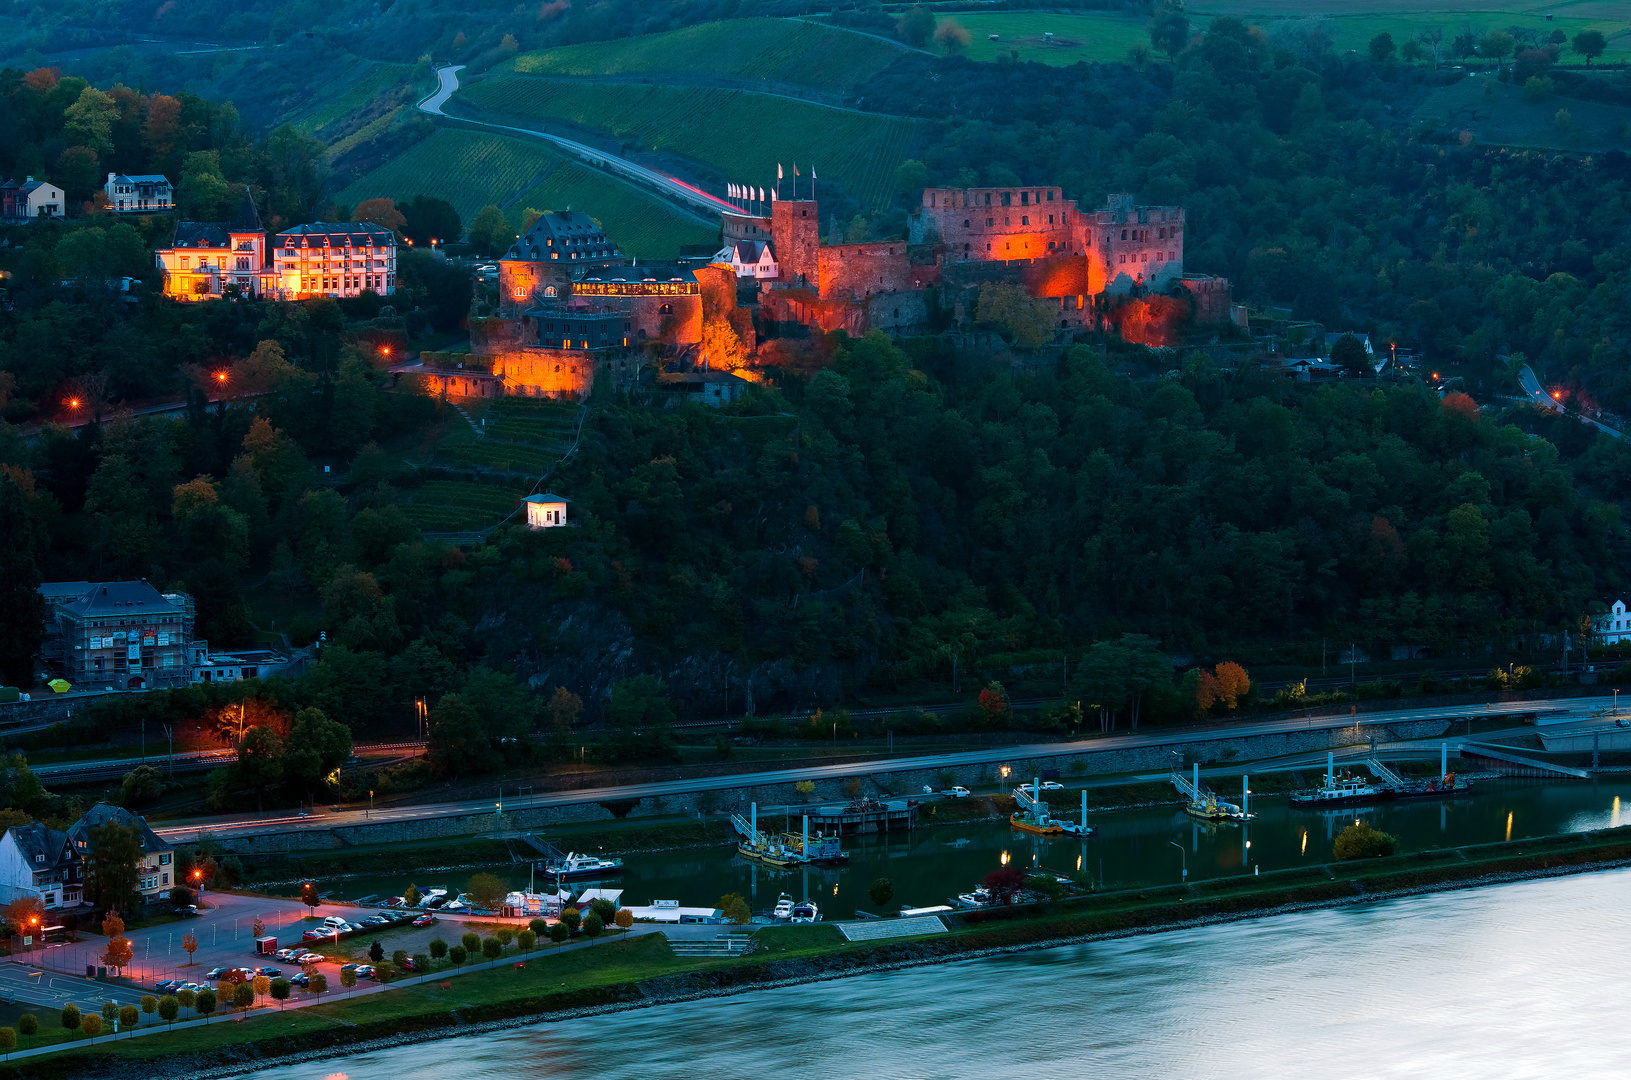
(1514,981)
(1133,847)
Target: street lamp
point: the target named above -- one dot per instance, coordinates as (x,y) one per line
(1184,857)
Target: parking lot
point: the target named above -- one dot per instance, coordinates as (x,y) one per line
(224,930)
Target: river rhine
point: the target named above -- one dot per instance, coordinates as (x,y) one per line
(1511,981)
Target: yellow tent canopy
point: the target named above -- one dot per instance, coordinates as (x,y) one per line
(59,685)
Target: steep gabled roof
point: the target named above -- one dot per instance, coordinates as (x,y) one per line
(79,833)
(248,219)
(42,848)
(200,234)
(121,598)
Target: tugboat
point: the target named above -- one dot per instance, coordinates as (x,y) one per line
(1341,790)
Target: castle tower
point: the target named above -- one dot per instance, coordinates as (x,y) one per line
(795,227)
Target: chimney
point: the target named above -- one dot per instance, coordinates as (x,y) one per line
(110,178)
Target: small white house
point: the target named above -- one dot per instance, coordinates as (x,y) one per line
(1613,627)
(146,193)
(750,259)
(545,511)
(31,200)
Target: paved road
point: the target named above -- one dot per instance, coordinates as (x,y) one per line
(600,159)
(1539,397)
(194,761)
(1581,708)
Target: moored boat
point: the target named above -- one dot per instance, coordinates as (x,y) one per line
(806,912)
(784,907)
(582,866)
(1342,791)
(1028,823)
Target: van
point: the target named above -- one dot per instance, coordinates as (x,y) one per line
(334,920)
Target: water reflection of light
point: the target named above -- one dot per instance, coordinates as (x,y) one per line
(1305,842)
(1616,820)
(835,890)
(1509,825)
(1078,862)
(1005,858)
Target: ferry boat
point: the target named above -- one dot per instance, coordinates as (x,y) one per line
(807,912)
(582,866)
(784,907)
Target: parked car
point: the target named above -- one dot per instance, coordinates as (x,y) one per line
(958,792)
(333,920)
(215,974)
(311,958)
(424,920)
(365,971)
(299,978)
(347,967)
(408,964)
(1052,785)
(269,972)
(165,986)
(288,955)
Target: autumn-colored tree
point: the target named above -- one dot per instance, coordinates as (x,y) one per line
(994,703)
(1206,690)
(24,915)
(189,941)
(257,928)
(119,952)
(381,212)
(1005,883)
(1233,683)
(952,36)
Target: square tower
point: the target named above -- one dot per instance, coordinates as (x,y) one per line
(795,227)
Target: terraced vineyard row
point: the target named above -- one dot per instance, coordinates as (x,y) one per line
(450,506)
(741,134)
(520,435)
(467,168)
(779,50)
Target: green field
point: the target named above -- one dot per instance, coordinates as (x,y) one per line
(1098,36)
(1108,36)
(743,135)
(471,169)
(779,50)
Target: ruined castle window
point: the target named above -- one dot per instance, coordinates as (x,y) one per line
(1008,198)
(1121,259)
(1025,198)
(1007,221)
(804,213)
(557,369)
(1124,234)
(1050,245)
(1050,219)
(1163,233)
(988,198)
(965,224)
(1025,220)
(897,313)
(965,249)
(1050,196)
(990,221)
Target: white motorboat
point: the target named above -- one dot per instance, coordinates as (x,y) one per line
(582,866)
(807,912)
(784,907)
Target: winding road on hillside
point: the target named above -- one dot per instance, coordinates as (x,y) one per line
(599,159)
(1588,711)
